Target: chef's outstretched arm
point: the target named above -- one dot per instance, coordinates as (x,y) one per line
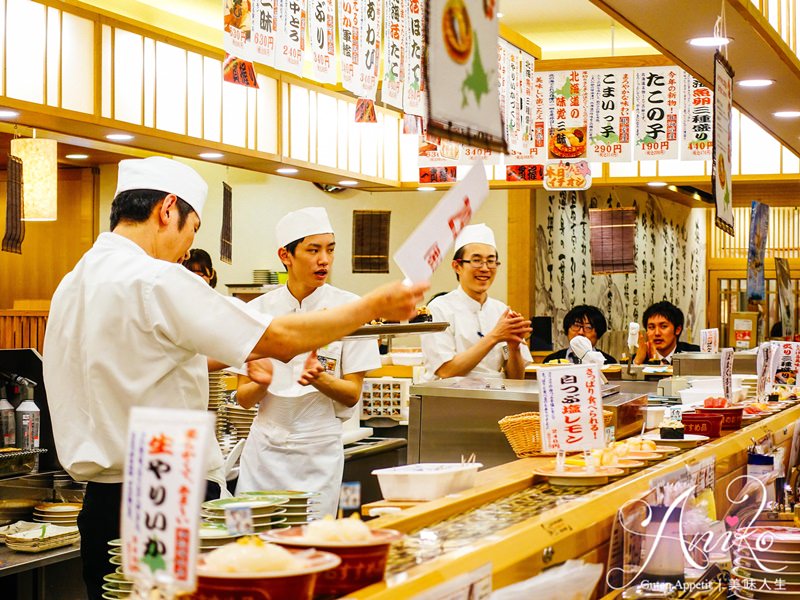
(289,335)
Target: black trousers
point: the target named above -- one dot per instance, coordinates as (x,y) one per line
(98,523)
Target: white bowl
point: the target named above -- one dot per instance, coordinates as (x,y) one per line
(426,481)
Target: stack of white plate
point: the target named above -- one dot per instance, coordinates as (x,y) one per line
(750,385)
(216,390)
(301,507)
(214,534)
(241,419)
(116,586)
(60,513)
(265,276)
(267,511)
(766,563)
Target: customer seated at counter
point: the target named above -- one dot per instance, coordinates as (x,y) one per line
(199,263)
(663,322)
(583,320)
(485,337)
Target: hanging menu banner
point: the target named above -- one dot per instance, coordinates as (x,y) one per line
(290,36)
(786,300)
(348,41)
(756,250)
(527,164)
(566,114)
(368,48)
(697,115)
(163,486)
(237,21)
(721,165)
(656,103)
(413,85)
(571,408)
(394,21)
(461,60)
(264,31)
(609,109)
(322,40)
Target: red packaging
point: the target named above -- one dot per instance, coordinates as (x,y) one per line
(705,424)
(731,416)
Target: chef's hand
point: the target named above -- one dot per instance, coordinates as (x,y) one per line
(312,369)
(396,301)
(511,328)
(260,371)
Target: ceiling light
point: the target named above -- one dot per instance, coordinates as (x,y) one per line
(286,171)
(426,188)
(755,83)
(499,15)
(710,41)
(348,182)
(76,156)
(787,114)
(656,184)
(6,113)
(211,155)
(119,137)
(40,176)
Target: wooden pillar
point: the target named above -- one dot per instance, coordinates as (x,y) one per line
(521,245)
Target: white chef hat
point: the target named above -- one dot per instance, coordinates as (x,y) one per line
(164,175)
(298,224)
(480,233)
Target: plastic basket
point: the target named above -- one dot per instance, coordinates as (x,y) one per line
(523,432)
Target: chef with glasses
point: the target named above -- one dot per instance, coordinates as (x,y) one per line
(485,337)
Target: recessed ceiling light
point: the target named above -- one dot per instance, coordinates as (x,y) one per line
(286,170)
(348,182)
(710,41)
(119,137)
(6,113)
(787,114)
(211,155)
(426,188)
(755,83)
(499,15)
(656,184)
(77,156)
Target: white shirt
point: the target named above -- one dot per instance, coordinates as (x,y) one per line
(469,322)
(126,329)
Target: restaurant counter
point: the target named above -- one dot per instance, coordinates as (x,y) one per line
(513,523)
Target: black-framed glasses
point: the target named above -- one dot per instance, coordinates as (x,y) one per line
(578,326)
(477,263)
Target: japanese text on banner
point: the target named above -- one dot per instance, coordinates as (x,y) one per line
(394,26)
(787,362)
(566,115)
(290,36)
(697,115)
(571,408)
(609,115)
(264,31)
(656,101)
(365,83)
(414,82)
(164,484)
(322,40)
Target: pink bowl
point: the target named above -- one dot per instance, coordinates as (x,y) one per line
(363,563)
(268,585)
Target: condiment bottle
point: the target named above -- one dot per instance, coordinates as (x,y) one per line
(28,421)
(7,420)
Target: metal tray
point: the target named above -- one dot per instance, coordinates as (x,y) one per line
(393,329)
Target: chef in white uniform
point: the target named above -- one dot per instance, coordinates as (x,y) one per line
(129,326)
(485,337)
(296,439)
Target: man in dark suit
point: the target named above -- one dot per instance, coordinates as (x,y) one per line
(663,322)
(583,320)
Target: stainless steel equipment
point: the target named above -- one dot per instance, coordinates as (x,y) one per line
(452,417)
(707,363)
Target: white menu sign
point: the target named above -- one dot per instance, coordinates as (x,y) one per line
(571,408)
(726,370)
(763,360)
(709,340)
(425,248)
(722,185)
(787,362)
(164,484)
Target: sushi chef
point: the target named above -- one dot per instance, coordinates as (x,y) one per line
(485,337)
(129,326)
(296,439)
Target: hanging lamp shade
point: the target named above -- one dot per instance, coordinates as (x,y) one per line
(39,177)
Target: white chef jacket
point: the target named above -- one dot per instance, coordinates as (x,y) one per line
(126,329)
(469,322)
(295,442)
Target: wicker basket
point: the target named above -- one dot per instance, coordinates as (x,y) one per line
(523,432)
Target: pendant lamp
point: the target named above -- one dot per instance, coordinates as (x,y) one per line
(39,177)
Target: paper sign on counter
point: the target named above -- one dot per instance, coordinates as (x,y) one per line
(429,243)
(571,408)
(164,484)
(726,370)
(709,340)
(763,362)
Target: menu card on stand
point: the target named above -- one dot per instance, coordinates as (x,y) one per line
(726,370)
(164,484)
(571,408)
(709,340)
(425,248)
(787,362)
(763,361)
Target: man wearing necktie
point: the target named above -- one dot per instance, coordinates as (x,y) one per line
(663,322)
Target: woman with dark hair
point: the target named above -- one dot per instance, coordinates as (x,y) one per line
(583,320)
(199,263)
